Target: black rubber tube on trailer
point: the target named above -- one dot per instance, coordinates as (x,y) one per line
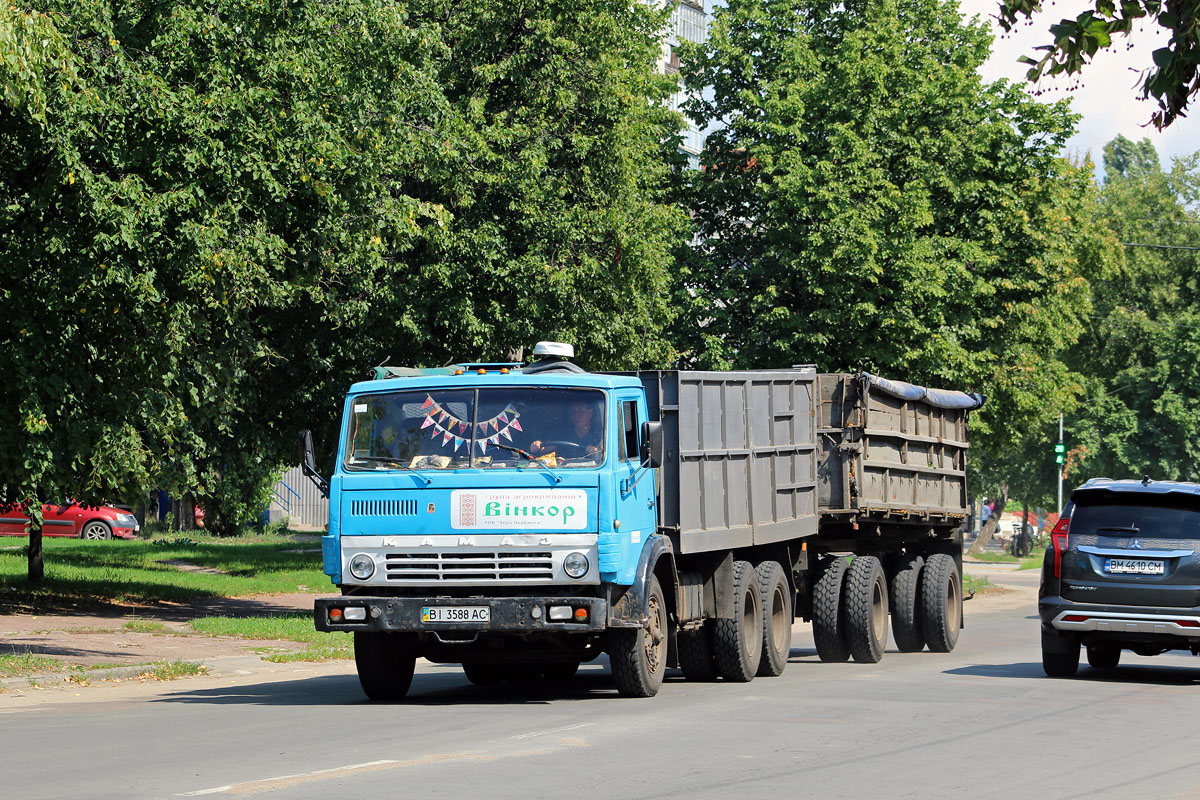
(827,610)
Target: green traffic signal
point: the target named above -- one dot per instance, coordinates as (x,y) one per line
(1060,448)
(1058,459)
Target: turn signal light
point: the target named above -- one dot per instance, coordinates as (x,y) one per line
(1058,540)
(459,371)
(581,615)
(335,615)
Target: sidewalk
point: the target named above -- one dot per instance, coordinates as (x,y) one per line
(97,646)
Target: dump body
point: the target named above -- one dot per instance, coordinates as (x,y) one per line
(740,465)
(891,451)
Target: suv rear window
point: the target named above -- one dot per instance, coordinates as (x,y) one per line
(1136,516)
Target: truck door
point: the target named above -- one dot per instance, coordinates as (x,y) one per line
(636,492)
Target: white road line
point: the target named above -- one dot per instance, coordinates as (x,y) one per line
(299,775)
(553,730)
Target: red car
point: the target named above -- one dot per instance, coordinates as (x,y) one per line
(72,519)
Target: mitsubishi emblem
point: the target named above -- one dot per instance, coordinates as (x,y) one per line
(1135,545)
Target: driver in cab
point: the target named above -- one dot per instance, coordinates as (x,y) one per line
(580,435)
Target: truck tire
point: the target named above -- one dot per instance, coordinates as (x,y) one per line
(484,674)
(696,654)
(737,642)
(1060,656)
(639,655)
(1103,656)
(865,609)
(385,663)
(906,617)
(827,610)
(777,619)
(941,603)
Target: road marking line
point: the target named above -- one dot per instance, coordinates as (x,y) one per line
(287,781)
(553,730)
(229,788)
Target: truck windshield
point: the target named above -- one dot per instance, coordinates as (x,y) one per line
(488,428)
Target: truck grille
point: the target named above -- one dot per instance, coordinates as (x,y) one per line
(383,508)
(463,567)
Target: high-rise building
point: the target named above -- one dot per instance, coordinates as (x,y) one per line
(689,23)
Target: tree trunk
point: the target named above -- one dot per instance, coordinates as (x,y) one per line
(37,567)
(989,527)
(187,513)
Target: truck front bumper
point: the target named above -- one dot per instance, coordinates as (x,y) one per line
(505,614)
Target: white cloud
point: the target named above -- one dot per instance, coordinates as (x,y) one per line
(1106,96)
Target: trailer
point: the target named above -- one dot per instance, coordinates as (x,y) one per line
(707,511)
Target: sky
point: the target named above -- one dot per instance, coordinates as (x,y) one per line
(1108,100)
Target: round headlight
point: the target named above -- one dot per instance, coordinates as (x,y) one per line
(362,566)
(576,565)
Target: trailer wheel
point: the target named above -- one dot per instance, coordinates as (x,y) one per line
(777,619)
(483,674)
(827,610)
(737,642)
(696,654)
(906,616)
(941,603)
(639,655)
(385,663)
(865,606)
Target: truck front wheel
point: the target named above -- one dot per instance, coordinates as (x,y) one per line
(385,663)
(737,642)
(639,655)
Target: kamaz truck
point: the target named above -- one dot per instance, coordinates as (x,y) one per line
(520,520)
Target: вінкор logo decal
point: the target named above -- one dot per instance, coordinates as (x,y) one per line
(527,509)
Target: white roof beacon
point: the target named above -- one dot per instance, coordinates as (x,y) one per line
(553,349)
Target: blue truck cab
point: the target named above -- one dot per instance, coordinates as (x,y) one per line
(492,515)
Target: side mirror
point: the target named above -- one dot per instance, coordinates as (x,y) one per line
(309,464)
(652,444)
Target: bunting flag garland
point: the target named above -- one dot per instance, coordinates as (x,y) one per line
(450,427)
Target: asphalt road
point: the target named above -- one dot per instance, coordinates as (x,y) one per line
(980,722)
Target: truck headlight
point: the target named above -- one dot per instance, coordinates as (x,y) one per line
(362,566)
(576,565)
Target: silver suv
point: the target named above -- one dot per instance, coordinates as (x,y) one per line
(1122,573)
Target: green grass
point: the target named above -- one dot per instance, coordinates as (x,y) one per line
(290,627)
(20,665)
(145,626)
(132,572)
(1033,561)
(170,670)
(976,582)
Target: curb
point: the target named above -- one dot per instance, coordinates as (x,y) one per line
(215,668)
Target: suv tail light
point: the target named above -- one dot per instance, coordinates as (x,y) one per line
(1058,540)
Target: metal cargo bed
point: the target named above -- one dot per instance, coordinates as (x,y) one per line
(892,450)
(740,465)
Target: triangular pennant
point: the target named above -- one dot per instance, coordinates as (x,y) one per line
(435,433)
(503,417)
(492,422)
(457,443)
(445,438)
(482,427)
(443,416)
(428,402)
(504,432)
(462,426)
(493,440)
(482,445)
(516,424)
(428,421)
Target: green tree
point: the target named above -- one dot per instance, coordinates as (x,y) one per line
(213,217)
(1172,80)
(1141,353)
(870,203)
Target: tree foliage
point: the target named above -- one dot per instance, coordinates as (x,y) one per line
(867,202)
(213,216)
(1170,76)
(1141,352)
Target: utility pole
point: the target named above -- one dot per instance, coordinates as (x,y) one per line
(1059,450)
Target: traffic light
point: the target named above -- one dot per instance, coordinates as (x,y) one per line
(1058,459)
(1060,448)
